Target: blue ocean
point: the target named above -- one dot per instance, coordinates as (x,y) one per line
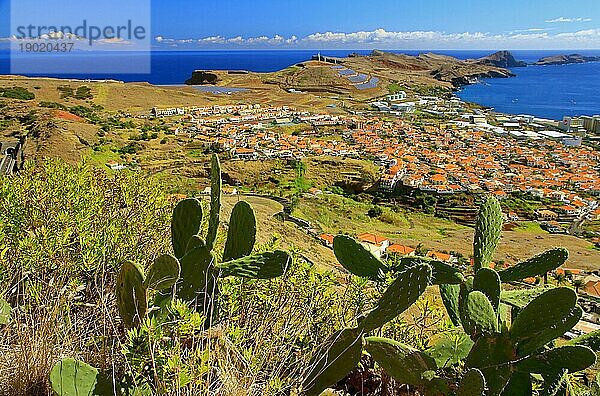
(543,91)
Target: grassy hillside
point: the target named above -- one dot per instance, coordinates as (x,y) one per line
(65,231)
(337,214)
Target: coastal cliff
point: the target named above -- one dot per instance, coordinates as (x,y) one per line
(566,60)
(443,68)
(503,59)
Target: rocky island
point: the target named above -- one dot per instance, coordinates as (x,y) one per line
(503,59)
(566,59)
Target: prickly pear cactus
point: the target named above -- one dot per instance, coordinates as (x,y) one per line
(538,265)
(487,281)
(5,312)
(401,294)
(479,316)
(488,230)
(357,259)
(70,377)
(519,385)
(450,296)
(450,348)
(131,295)
(335,359)
(215,201)
(472,384)
(547,317)
(405,364)
(185,223)
(267,265)
(442,273)
(241,235)
(197,271)
(163,273)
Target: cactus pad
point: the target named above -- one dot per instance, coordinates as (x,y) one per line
(193,243)
(538,265)
(450,295)
(519,385)
(242,232)
(163,273)
(405,364)
(400,295)
(339,355)
(186,222)
(478,315)
(267,265)
(452,347)
(442,273)
(573,358)
(472,384)
(70,377)
(215,201)
(554,383)
(196,273)
(545,318)
(131,295)
(356,258)
(488,230)
(487,281)
(491,350)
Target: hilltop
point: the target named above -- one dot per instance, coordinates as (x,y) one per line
(413,72)
(503,59)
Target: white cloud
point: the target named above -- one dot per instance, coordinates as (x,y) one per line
(569,20)
(533,38)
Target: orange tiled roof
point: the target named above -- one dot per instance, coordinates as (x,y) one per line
(327,237)
(400,249)
(439,256)
(372,239)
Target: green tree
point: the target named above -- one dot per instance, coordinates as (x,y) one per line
(578,284)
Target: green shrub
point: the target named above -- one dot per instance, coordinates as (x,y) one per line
(16,93)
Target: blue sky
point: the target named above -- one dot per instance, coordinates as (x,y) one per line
(399,24)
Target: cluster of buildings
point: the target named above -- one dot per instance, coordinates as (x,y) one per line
(583,124)
(474,152)
(382,247)
(225,113)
